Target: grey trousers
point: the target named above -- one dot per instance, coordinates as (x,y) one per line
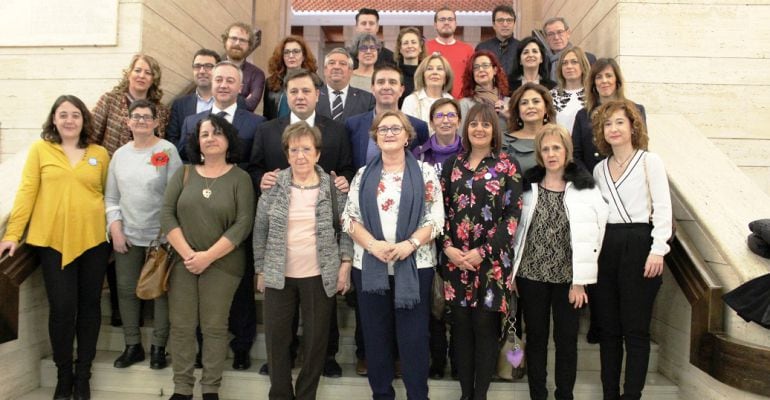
(203,299)
(127,268)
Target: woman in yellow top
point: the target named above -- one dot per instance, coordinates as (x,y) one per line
(61,199)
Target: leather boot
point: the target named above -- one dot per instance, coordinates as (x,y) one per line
(64,381)
(158,357)
(133,353)
(82,387)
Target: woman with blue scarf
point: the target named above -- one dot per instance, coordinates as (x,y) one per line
(393,213)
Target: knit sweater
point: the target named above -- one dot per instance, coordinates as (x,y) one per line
(110,116)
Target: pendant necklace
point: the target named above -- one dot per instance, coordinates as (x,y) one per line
(206,192)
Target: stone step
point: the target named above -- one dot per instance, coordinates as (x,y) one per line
(236,385)
(111,339)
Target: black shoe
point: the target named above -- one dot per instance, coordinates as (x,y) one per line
(64,381)
(210,396)
(264,370)
(332,369)
(436,372)
(133,354)
(158,357)
(241,361)
(82,389)
(177,396)
(199,360)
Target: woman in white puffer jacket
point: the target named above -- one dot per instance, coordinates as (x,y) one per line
(557,246)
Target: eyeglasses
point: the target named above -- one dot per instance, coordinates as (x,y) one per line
(296,151)
(140,117)
(236,39)
(395,130)
(205,67)
(505,20)
(449,115)
(553,34)
(477,67)
(289,52)
(446,19)
(364,48)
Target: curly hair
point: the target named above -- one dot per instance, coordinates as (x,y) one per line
(419,74)
(515,122)
(500,80)
(245,27)
(51,134)
(154,93)
(276,67)
(397,56)
(592,95)
(221,126)
(639,137)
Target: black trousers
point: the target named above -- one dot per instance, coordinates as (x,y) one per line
(623,300)
(243,311)
(280,308)
(540,299)
(74,299)
(476,334)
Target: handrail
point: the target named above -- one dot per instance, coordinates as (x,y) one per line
(723,357)
(13,271)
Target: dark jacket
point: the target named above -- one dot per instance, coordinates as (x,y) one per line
(358,101)
(358,126)
(182,108)
(585,152)
(507,57)
(271,103)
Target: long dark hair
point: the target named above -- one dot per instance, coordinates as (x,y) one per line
(50,134)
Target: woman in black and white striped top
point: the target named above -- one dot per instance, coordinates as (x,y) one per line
(634,183)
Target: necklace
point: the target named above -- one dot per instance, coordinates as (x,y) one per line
(206,192)
(311,183)
(622,163)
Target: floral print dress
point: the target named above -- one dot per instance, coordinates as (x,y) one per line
(482,207)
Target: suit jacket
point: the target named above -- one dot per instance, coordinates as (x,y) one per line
(267,151)
(243,120)
(182,108)
(358,101)
(358,130)
(584,151)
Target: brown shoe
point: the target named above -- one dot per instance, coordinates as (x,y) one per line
(361,367)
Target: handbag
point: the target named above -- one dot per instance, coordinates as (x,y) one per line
(153,280)
(511,363)
(438,304)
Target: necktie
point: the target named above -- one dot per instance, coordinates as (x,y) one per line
(222,114)
(337,105)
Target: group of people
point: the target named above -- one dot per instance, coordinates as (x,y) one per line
(478,174)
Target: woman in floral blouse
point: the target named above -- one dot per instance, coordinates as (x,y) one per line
(482,198)
(393,214)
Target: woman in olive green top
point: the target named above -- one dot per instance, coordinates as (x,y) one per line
(208,211)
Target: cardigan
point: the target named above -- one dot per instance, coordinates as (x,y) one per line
(271,224)
(64,205)
(110,115)
(587,215)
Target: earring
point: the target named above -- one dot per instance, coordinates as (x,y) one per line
(545,119)
(406,144)
(519,123)
(203,158)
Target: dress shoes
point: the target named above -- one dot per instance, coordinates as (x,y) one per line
(82,390)
(264,370)
(436,372)
(177,396)
(241,360)
(332,369)
(158,357)
(133,354)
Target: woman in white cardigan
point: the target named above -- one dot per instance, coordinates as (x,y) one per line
(556,251)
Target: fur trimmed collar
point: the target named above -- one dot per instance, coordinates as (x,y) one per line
(574,173)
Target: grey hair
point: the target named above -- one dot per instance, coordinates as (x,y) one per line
(552,20)
(339,50)
(362,38)
(232,64)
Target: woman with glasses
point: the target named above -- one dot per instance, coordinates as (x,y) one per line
(482,198)
(147,162)
(569,96)
(484,82)
(299,262)
(531,108)
(393,213)
(433,81)
(410,51)
(291,53)
(366,48)
(531,65)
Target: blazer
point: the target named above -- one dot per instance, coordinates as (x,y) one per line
(358,101)
(182,108)
(267,150)
(584,151)
(358,130)
(245,121)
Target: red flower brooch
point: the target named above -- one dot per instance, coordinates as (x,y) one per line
(159,159)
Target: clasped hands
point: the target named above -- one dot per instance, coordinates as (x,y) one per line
(464,259)
(389,252)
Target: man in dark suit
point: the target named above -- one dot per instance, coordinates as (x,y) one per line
(387,86)
(338,68)
(268,157)
(243,311)
(201,100)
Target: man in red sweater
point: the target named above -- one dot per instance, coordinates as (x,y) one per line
(454,50)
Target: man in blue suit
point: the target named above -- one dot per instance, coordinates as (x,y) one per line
(243,312)
(338,69)
(201,100)
(387,86)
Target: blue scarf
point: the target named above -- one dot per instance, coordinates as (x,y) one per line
(374,273)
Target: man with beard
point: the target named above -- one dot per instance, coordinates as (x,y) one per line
(454,50)
(239,41)
(203,64)
(337,99)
